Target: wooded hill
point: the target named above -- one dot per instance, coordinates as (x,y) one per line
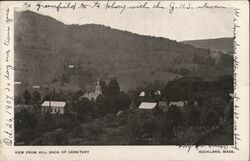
(45,48)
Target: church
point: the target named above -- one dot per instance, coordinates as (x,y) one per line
(95,94)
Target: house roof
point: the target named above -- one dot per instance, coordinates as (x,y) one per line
(53,103)
(178,104)
(158,92)
(35,86)
(142,94)
(147,105)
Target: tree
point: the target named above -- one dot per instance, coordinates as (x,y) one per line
(18,100)
(24,119)
(47,97)
(77,95)
(65,78)
(26,96)
(83,109)
(194,117)
(36,96)
(85,105)
(104,88)
(113,87)
(123,101)
(101,106)
(134,129)
(176,115)
(212,118)
(165,128)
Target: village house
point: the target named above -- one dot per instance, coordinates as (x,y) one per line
(53,107)
(147,105)
(158,92)
(179,104)
(95,94)
(163,105)
(142,94)
(147,108)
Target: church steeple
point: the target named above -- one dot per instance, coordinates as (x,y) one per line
(98,88)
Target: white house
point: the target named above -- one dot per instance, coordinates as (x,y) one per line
(147,105)
(158,92)
(54,107)
(36,87)
(179,104)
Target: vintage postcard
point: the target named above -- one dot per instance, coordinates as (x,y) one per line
(124,80)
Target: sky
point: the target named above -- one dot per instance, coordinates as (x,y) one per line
(180,25)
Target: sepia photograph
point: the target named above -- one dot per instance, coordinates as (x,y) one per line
(123,76)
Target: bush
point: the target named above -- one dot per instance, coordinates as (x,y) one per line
(165,130)
(109,117)
(134,128)
(27,135)
(212,118)
(149,126)
(84,110)
(24,119)
(122,120)
(95,129)
(77,131)
(68,123)
(55,138)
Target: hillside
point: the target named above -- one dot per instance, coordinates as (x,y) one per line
(45,48)
(220,44)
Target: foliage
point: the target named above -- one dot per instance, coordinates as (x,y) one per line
(47,97)
(135,129)
(142,124)
(24,119)
(149,125)
(212,118)
(83,109)
(182,71)
(36,96)
(200,59)
(18,100)
(65,78)
(77,95)
(112,101)
(109,118)
(113,88)
(176,115)
(27,135)
(101,106)
(165,127)
(194,117)
(104,88)
(190,87)
(26,96)
(93,130)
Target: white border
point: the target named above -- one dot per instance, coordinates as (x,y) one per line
(134,152)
